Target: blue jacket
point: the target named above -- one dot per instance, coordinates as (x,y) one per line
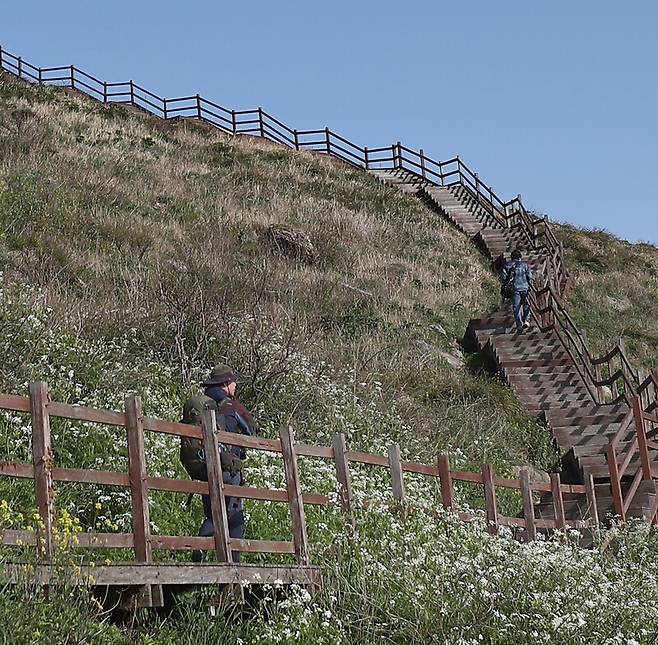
(522,274)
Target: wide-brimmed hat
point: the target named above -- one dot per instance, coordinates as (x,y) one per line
(220,375)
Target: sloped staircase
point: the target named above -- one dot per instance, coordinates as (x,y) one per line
(535,363)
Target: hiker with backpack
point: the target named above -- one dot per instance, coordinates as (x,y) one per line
(516,280)
(219,395)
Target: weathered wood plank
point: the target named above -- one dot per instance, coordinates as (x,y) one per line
(14,469)
(170,574)
(296,502)
(137,475)
(528,505)
(397,478)
(14,403)
(447,489)
(83,413)
(490,499)
(42,458)
(82,476)
(558,501)
(216,483)
(342,465)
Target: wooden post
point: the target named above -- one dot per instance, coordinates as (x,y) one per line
(234,122)
(590,492)
(40,76)
(132,93)
(1,61)
(42,459)
(613,386)
(395,165)
(137,474)
(558,501)
(638,415)
(422,163)
(152,594)
(261,125)
(447,497)
(599,388)
(490,499)
(20,67)
(339,446)
(104,91)
(327,140)
(615,483)
(216,484)
(365,157)
(72,77)
(528,505)
(296,136)
(397,478)
(399,145)
(297,515)
(198,107)
(477,189)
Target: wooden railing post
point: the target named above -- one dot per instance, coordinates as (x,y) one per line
(395,165)
(528,505)
(558,501)
(234,123)
(296,136)
(72,77)
(327,140)
(40,76)
(422,163)
(447,490)
(20,67)
(366,160)
(141,523)
(216,484)
(42,459)
(295,500)
(339,445)
(590,492)
(198,107)
(490,499)
(397,478)
(104,91)
(132,93)
(1,61)
(638,416)
(599,388)
(399,147)
(137,475)
(261,124)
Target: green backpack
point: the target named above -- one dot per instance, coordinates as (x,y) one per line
(192,454)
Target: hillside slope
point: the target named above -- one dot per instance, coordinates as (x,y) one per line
(135,254)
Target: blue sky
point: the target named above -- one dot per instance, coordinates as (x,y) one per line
(557,101)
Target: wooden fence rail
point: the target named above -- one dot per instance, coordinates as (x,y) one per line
(45,474)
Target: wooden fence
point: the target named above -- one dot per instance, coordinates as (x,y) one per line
(45,472)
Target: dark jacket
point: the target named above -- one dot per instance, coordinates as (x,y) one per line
(236,417)
(522,274)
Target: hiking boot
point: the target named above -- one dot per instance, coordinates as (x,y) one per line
(198,555)
(527,323)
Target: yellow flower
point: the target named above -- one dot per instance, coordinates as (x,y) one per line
(97,506)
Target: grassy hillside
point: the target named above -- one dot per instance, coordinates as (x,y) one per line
(615,293)
(135,254)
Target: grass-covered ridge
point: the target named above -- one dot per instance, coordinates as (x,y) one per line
(615,291)
(134,254)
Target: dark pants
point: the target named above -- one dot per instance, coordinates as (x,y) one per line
(520,307)
(234,508)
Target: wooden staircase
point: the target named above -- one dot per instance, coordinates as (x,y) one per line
(536,363)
